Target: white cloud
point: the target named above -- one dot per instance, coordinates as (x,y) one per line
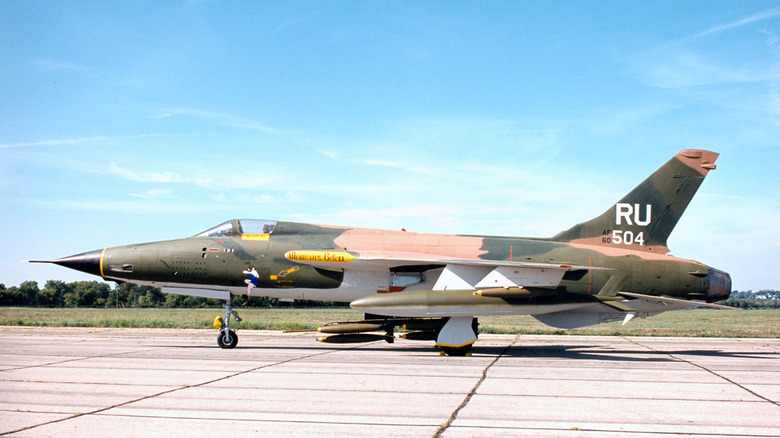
(154,194)
(772,13)
(60,65)
(704,60)
(250,176)
(399,165)
(133,206)
(221,118)
(99,139)
(149,177)
(330,154)
(683,68)
(94,140)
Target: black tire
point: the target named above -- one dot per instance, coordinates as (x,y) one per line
(456,351)
(227,339)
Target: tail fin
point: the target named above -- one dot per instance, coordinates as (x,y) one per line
(645,217)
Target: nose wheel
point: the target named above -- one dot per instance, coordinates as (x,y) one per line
(227,338)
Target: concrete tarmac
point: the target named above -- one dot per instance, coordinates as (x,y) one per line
(61,382)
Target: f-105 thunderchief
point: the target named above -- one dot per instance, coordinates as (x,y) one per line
(611,268)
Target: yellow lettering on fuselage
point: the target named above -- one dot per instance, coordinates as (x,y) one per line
(320,256)
(262,236)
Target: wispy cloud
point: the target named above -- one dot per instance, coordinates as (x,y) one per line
(94,140)
(255,176)
(220,118)
(685,68)
(399,165)
(614,120)
(330,154)
(683,63)
(149,177)
(51,64)
(772,13)
(134,206)
(99,139)
(154,194)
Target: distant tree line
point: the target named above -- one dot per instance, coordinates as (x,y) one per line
(56,293)
(763,299)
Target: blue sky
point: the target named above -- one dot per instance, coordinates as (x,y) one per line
(140,121)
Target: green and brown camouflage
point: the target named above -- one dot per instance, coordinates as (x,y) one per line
(615,266)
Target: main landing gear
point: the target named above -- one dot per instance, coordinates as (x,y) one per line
(457,336)
(455,351)
(227,338)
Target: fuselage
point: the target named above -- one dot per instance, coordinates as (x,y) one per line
(258,263)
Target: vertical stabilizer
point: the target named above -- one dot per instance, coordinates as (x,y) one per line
(645,217)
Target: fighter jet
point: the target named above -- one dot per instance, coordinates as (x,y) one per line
(611,268)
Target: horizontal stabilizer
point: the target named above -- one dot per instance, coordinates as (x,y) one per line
(678,303)
(617,305)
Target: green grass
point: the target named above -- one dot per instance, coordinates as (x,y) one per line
(700,322)
(253,319)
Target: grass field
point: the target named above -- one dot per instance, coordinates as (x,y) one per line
(700,322)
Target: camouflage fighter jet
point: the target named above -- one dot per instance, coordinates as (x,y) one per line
(614,267)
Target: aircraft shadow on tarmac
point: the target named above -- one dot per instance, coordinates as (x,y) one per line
(573,352)
(621,355)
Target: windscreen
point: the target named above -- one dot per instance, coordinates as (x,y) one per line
(255,226)
(223,229)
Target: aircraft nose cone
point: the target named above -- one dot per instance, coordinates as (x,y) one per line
(88,262)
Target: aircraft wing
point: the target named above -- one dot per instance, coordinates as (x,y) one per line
(459,274)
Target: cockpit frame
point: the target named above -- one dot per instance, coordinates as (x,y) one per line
(237,227)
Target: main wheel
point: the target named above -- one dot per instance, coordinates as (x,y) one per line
(227,339)
(456,351)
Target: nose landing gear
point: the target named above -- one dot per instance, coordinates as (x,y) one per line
(227,338)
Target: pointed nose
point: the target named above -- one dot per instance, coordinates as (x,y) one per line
(89,262)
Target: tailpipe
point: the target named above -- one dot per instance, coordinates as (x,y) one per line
(719,285)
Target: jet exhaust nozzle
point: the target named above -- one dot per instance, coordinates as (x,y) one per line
(719,285)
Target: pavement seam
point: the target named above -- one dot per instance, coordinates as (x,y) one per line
(147,397)
(705,369)
(473,391)
(75,359)
(622,431)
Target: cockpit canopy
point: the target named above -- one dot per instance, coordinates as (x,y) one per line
(240,226)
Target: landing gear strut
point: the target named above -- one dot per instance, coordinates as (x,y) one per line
(227,338)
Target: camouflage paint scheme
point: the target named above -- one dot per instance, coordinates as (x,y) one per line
(615,266)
